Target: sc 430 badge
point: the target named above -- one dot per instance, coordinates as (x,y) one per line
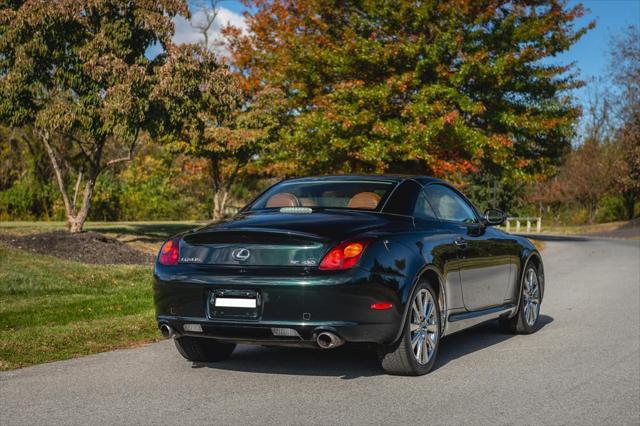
(308,262)
(190,260)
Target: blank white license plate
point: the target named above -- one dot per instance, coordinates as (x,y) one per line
(230,302)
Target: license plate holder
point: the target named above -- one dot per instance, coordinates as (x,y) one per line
(237,304)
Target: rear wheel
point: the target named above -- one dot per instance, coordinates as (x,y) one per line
(415,352)
(524,322)
(198,349)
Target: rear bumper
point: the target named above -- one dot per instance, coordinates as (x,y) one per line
(339,303)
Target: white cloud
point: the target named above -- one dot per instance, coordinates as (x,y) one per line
(186,33)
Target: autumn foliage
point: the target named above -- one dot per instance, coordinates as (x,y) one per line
(443,88)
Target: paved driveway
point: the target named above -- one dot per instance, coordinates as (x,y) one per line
(582,367)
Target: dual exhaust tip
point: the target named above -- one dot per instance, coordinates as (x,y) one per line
(166,330)
(328,340)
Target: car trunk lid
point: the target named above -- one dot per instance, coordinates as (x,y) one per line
(253,247)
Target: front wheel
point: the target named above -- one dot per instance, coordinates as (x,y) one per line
(525,321)
(415,352)
(200,349)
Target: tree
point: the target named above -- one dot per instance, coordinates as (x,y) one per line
(445,88)
(625,67)
(215,121)
(76,72)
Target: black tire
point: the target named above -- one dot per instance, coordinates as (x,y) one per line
(518,324)
(199,349)
(399,359)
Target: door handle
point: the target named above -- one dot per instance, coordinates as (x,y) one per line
(460,242)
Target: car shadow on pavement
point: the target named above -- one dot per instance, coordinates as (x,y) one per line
(475,339)
(346,362)
(352,361)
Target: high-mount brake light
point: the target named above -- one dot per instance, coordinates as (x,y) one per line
(343,256)
(169,253)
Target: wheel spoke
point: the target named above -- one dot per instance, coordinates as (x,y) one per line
(415,339)
(428,310)
(425,351)
(419,346)
(432,328)
(531,313)
(416,310)
(413,327)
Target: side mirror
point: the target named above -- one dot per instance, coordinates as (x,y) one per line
(494,217)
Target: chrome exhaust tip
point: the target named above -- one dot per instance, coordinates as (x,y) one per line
(166,330)
(328,340)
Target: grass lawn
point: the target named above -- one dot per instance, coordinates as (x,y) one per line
(52,309)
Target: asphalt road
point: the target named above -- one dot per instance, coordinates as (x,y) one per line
(582,367)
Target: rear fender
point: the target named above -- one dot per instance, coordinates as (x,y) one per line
(410,292)
(527,257)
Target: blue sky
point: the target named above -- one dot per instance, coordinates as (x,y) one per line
(591,53)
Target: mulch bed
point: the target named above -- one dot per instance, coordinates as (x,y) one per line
(85,247)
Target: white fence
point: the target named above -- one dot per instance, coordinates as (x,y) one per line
(528,223)
(230,210)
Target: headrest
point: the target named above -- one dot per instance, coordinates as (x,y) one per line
(364,200)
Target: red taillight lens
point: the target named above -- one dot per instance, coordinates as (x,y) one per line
(343,256)
(169,253)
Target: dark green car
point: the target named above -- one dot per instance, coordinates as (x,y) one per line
(399,262)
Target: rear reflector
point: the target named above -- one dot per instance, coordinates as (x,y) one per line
(192,327)
(285,332)
(381,306)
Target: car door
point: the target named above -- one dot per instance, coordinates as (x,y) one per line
(440,237)
(484,272)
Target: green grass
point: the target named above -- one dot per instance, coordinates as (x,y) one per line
(154,230)
(51,309)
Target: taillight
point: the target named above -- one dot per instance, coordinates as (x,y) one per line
(344,256)
(169,253)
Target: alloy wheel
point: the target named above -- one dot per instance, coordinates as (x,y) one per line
(424,326)
(531,296)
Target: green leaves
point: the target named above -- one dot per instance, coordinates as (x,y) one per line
(446,88)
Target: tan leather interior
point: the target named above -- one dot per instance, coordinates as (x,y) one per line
(364,200)
(307,202)
(282,199)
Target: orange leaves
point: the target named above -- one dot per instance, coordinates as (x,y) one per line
(451,117)
(448,168)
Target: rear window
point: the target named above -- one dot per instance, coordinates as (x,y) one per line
(340,194)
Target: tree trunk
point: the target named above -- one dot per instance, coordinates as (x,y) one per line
(219,202)
(75,218)
(76,223)
(629,204)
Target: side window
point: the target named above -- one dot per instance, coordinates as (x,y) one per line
(448,205)
(423,209)
(403,199)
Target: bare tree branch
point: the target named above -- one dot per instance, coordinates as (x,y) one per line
(129,155)
(75,192)
(44,135)
(209,10)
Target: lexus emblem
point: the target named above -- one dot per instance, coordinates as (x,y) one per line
(240,254)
